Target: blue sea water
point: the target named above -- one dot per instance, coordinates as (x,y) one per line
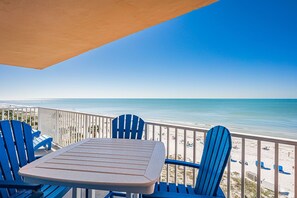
(271,117)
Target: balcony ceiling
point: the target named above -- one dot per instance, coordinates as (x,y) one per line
(40,33)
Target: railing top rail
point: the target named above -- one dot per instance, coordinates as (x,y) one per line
(234,134)
(69,111)
(264,138)
(193,128)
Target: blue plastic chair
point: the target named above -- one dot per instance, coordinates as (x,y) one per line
(281,170)
(262,165)
(215,156)
(16,148)
(126,127)
(41,141)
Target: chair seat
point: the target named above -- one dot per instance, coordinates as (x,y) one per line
(47,190)
(43,140)
(163,190)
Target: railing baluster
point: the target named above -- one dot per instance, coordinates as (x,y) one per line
(2,117)
(160,133)
(26,120)
(100,125)
(18,112)
(242,166)
(258,168)
(30,118)
(185,155)
(66,127)
(276,152)
(96,127)
(57,131)
(80,124)
(153,132)
(194,157)
(106,128)
(145,131)
(86,126)
(75,126)
(176,145)
(228,179)
(167,171)
(295,172)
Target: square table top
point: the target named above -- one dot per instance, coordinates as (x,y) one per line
(105,164)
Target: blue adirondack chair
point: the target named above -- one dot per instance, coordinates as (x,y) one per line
(126,127)
(281,170)
(262,165)
(215,156)
(41,141)
(16,149)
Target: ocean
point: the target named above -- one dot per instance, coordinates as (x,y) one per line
(270,117)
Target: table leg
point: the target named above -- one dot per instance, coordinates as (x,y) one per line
(89,193)
(136,195)
(132,195)
(74,192)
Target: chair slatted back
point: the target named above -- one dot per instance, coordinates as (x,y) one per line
(16,148)
(127,126)
(215,156)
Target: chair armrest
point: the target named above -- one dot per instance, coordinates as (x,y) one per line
(182,163)
(19,185)
(36,133)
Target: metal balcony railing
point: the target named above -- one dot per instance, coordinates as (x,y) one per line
(242,176)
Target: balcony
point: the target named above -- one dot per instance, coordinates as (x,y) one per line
(243,175)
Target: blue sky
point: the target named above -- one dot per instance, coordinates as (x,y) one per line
(230,49)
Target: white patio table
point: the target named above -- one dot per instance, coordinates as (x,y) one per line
(131,166)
